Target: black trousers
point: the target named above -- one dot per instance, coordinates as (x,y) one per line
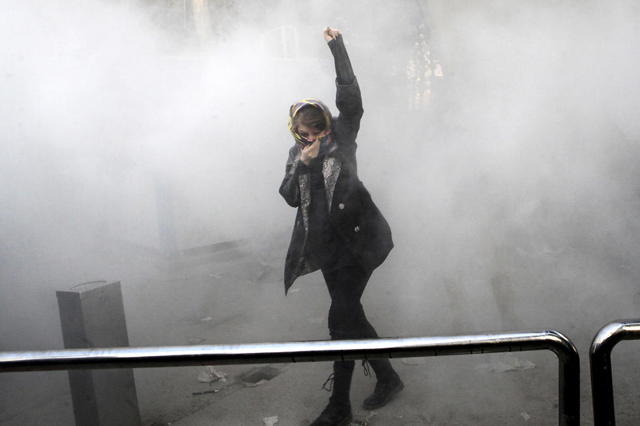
(346,280)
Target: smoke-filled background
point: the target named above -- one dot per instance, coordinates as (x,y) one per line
(500,140)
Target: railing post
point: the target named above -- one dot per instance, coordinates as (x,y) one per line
(568,380)
(601,374)
(313,351)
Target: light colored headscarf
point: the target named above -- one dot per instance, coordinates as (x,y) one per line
(296,107)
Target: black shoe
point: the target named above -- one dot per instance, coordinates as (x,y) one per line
(383,393)
(334,415)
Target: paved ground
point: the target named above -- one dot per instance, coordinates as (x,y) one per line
(236,297)
(430,397)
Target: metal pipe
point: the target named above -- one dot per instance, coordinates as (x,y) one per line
(600,362)
(310,351)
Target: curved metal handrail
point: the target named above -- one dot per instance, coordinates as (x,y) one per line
(600,363)
(66,359)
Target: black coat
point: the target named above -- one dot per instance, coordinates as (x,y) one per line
(352,212)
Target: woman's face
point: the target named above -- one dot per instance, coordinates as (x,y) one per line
(310,134)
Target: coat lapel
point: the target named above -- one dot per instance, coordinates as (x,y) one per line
(331,167)
(304,265)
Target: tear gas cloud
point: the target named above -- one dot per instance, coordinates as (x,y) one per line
(510,187)
(499,139)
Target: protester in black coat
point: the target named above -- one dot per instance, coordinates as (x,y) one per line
(338,229)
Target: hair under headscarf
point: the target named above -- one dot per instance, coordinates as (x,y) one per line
(295,109)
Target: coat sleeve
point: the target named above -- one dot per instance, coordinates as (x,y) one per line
(348,98)
(289,188)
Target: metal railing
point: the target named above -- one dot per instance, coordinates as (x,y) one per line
(68,359)
(600,360)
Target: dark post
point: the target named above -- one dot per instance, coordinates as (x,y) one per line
(601,375)
(92,315)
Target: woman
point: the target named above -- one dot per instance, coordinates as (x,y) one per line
(338,229)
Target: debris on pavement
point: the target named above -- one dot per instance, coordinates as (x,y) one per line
(270,421)
(363,421)
(525,416)
(210,375)
(205,392)
(195,340)
(508,365)
(259,375)
(206,319)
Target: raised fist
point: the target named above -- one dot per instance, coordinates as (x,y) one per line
(331,33)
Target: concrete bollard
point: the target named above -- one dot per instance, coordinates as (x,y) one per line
(92,316)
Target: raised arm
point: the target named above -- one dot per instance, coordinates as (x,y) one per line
(348,98)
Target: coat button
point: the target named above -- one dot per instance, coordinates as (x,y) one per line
(356,229)
(341,206)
